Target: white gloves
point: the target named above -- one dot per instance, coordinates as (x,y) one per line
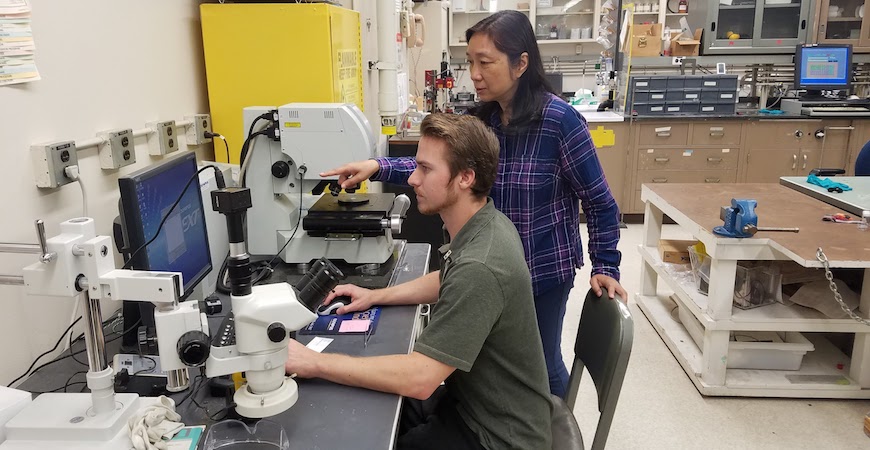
(152,426)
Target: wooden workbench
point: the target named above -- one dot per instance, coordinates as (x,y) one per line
(825,372)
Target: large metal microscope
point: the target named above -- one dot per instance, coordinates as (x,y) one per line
(79,264)
(283,171)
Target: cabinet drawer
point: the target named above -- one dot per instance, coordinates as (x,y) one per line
(687,159)
(663,134)
(716,133)
(671,176)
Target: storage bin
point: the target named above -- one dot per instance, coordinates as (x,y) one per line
(700,269)
(767,350)
(658,83)
(693,82)
(676,82)
(760,350)
(756,286)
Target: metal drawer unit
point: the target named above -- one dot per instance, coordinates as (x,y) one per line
(683,95)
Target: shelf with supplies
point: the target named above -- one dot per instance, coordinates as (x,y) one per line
(703,331)
(568,21)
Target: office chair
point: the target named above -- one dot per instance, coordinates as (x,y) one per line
(862,163)
(603,345)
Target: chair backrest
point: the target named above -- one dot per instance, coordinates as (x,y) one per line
(603,346)
(862,163)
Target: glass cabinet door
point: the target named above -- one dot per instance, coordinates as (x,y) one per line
(840,21)
(782,22)
(733,24)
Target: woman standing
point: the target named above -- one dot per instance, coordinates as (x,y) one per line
(548,168)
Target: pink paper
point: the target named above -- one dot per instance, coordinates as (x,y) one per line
(354,325)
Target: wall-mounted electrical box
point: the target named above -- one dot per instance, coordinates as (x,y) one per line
(49,161)
(117,150)
(163,138)
(196,131)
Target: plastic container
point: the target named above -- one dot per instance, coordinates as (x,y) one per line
(700,269)
(768,350)
(761,350)
(756,286)
(236,435)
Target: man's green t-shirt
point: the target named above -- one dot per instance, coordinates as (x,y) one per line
(484,324)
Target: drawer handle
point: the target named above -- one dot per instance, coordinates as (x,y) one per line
(714,160)
(663,159)
(805,162)
(660,180)
(711,180)
(793,162)
(663,133)
(717,131)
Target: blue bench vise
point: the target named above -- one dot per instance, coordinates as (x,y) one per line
(741,221)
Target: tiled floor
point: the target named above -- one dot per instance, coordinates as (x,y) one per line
(659,407)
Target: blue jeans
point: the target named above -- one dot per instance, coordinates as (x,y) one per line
(550,308)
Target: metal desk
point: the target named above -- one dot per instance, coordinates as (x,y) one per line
(854,202)
(327,415)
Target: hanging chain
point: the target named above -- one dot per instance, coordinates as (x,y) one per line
(820,255)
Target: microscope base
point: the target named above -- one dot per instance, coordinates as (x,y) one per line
(258,406)
(65,421)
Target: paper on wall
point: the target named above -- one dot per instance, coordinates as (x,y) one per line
(17,48)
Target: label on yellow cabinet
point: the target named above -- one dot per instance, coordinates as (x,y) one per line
(389,131)
(602,137)
(292,124)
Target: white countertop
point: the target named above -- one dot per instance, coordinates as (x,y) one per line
(591,114)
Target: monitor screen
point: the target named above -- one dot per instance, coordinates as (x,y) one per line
(182,245)
(819,67)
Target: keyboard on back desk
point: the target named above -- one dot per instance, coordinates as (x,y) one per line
(840,109)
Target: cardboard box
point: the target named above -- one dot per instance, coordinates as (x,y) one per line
(646,40)
(686,47)
(675,251)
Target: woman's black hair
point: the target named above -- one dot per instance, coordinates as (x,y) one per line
(512,34)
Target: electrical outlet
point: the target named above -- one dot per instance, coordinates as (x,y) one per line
(118,150)
(163,138)
(677,60)
(49,160)
(578,49)
(196,131)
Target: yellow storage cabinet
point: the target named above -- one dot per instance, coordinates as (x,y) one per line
(273,54)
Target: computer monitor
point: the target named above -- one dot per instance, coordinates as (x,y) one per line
(819,67)
(182,244)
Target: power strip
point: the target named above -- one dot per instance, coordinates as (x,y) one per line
(141,366)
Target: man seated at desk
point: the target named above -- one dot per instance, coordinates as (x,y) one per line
(483,321)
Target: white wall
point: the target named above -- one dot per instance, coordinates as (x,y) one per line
(104,65)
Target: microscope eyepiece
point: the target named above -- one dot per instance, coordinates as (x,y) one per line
(318,282)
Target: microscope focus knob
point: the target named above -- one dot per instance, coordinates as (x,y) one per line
(193,348)
(280,169)
(276,332)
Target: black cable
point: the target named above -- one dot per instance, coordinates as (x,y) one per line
(68,380)
(213,417)
(71,342)
(193,389)
(228,148)
(244,177)
(45,353)
(296,228)
(169,212)
(244,151)
(83,350)
(60,388)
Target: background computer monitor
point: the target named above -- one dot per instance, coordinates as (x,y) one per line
(820,67)
(182,245)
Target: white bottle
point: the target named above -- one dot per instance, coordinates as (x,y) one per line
(865,221)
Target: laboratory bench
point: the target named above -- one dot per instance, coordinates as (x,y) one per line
(326,415)
(700,338)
